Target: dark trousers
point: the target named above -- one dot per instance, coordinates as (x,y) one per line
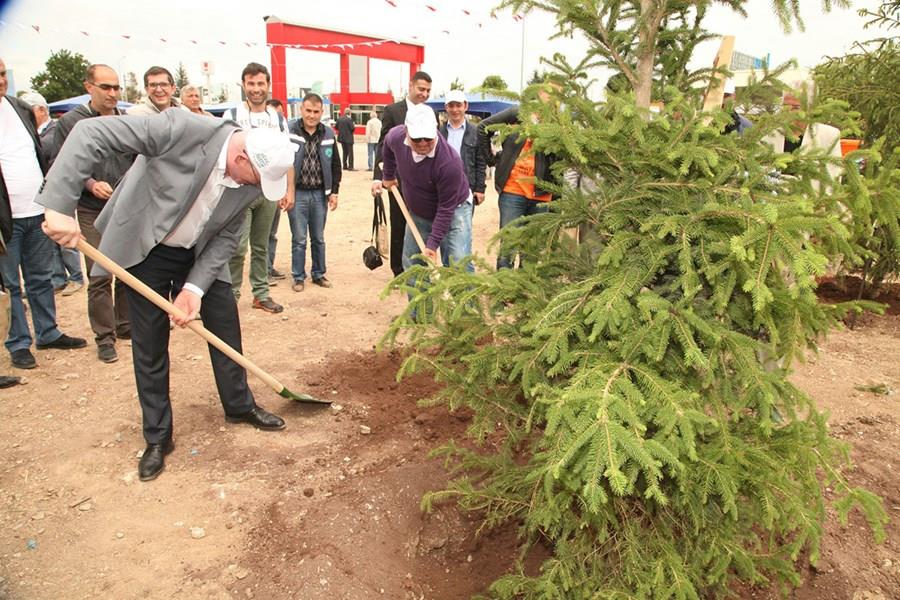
(347,149)
(107,298)
(165,270)
(398,229)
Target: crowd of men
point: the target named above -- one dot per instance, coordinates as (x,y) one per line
(177,197)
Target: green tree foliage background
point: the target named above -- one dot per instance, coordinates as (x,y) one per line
(630,396)
(62,77)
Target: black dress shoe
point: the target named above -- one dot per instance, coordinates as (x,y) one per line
(64,342)
(259,418)
(153,460)
(22,359)
(9,381)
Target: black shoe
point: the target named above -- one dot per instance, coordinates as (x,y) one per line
(107,353)
(259,418)
(322,282)
(153,460)
(9,381)
(64,342)
(267,305)
(276,274)
(22,359)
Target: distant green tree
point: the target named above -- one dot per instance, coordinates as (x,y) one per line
(537,77)
(457,85)
(494,82)
(132,92)
(181,78)
(62,77)
(222,97)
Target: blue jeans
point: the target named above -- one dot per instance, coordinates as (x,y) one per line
(66,267)
(513,206)
(33,252)
(455,246)
(372,154)
(309,214)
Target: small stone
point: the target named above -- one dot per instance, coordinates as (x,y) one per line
(365,429)
(336,408)
(37,516)
(308,492)
(241,573)
(178,523)
(229,525)
(198,533)
(85,506)
(31,544)
(887,564)
(119,535)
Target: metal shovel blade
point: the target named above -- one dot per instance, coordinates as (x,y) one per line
(305,398)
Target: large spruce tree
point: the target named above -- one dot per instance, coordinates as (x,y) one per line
(631,405)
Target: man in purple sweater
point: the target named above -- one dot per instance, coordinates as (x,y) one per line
(435,187)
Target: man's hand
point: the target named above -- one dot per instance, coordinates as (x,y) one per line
(189,303)
(101,190)
(377,188)
(430,254)
(332,201)
(389,183)
(479,197)
(286,203)
(60,228)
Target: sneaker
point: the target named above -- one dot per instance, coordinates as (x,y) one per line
(267,305)
(322,282)
(276,274)
(73,287)
(9,381)
(107,353)
(298,286)
(22,359)
(64,342)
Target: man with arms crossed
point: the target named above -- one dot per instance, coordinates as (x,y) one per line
(173,222)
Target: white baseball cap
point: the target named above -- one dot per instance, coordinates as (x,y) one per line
(420,122)
(455,96)
(272,153)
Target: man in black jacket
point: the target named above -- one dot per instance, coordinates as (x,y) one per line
(107,302)
(29,250)
(395,114)
(346,128)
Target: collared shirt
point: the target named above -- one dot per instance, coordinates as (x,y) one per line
(188,231)
(19,163)
(455,136)
(310,177)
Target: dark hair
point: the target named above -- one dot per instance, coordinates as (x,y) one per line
(158,71)
(92,70)
(275,102)
(420,75)
(254,69)
(313,98)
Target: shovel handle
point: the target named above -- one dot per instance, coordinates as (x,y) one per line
(147,292)
(409,221)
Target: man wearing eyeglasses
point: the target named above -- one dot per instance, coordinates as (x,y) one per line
(107,300)
(27,249)
(435,187)
(160,87)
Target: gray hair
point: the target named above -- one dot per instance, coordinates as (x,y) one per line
(33,99)
(189,88)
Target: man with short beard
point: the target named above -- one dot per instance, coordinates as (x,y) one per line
(251,114)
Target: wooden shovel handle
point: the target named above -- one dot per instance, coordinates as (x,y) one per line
(147,292)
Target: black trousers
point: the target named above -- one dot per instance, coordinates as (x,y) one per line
(347,149)
(165,270)
(398,230)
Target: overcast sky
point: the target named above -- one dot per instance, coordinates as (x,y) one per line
(455,44)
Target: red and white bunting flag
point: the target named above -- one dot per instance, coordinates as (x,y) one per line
(392,3)
(85,34)
(127,37)
(431,8)
(36,28)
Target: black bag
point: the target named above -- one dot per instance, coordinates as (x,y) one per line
(371,258)
(372,255)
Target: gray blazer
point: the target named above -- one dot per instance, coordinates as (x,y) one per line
(177,152)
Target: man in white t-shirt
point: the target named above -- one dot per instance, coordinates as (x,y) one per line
(251,114)
(22,169)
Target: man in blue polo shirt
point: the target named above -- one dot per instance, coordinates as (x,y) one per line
(435,187)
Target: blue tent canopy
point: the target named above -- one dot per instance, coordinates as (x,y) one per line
(479,104)
(64,106)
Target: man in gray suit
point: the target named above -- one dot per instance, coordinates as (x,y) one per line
(174,221)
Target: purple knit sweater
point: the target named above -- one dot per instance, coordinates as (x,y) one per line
(432,188)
